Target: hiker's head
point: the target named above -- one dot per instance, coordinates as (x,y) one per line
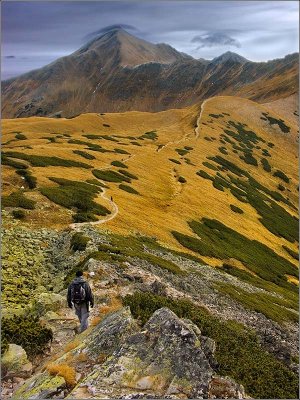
(79,273)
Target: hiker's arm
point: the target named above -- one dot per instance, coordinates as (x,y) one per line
(69,297)
(90,295)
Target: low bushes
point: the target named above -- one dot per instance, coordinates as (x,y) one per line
(84,217)
(181,179)
(261,374)
(236,209)
(281,175)
(12,163)
(79,241)
(74,194)
(266,166)
(174,161)
(182,152)
(204,175)
(29,178)
(26,332)
(230,244)
(121,151)
(17,199)
(20,136)
(152,135)
(119,164)
(64,370)
(84,154)
(128,189)
(18,214)
(45,161)
(110,176)
(127,174)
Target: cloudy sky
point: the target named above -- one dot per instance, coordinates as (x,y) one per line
(35,33)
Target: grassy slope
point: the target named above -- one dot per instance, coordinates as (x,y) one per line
(164,203)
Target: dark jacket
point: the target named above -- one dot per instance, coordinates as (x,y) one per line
(88,291)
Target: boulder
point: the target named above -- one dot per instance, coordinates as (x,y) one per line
(48,302)
(164,359)
(15,363)
(41,386)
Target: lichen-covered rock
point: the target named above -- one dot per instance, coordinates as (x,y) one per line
(41,386)
(48,302)
(15,362)
(164,359)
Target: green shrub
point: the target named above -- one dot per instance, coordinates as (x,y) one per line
(188,148)
(261,374)
(270,144)
(119,164)
(152,135)
(291,252)
(204,175)
(18,214)
(174,161)
(228,165)
(25,331)
(97,183)
(230,244)
(79,241)
(80,217)
(249,159)
(20,136)
(29,178)
(17,199)
(12,163)
(281,187)
(208,139)
(127,174)
(223,150)
(110,176)
(74,194)
(182,152)
(210,166)
(128,189)
(284,128)
(121,151)
(266,153)
(236,209)
(266,166)
(45,161)
(136,143)
(281,175)
(181,179)
(84,154)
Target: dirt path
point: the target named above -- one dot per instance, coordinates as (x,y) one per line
(114,206)
(197,132)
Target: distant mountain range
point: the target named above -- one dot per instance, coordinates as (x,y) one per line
(118,72)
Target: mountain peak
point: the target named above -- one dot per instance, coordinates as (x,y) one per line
(229,56)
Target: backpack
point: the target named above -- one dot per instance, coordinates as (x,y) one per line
(78,293)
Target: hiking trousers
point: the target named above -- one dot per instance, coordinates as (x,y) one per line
(81,310)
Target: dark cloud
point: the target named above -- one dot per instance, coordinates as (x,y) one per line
(46,30)
(93,35)
(9,56)
(215,39)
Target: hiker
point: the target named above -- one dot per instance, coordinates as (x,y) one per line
(80,294)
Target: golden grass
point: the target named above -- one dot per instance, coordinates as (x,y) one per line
(164,204)
(64,370)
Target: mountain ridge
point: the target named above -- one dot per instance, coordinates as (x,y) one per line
(118,72)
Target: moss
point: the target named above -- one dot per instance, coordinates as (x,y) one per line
(128,189)
(84,154)
(17,199)
(261,374)
(45,161)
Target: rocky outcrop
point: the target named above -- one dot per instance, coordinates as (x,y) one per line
(167,358)
(15,363)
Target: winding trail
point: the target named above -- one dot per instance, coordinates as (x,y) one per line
(114,206)
(197,132)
